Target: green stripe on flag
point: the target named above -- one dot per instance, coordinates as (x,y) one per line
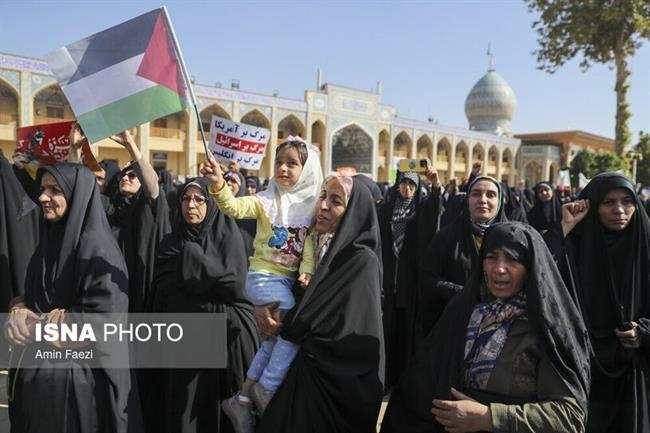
(134,110)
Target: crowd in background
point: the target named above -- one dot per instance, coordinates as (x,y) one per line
(471,306)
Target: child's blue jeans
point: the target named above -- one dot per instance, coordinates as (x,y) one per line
(273,359)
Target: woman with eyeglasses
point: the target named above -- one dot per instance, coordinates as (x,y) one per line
(139,219)
(201,268)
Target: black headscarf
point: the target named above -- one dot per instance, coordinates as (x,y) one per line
(404,211)
(529,194)
(247,227)
(403,244)
(165,181)
(514,208)
(608,273)
(334,384)
(449,259)
(372,186)
(477,227)
(19,227)
(255,181)
(77,267)
(139,225)
(523,200)
(111,183)
(242,182)
(111,171)
(544,215)
(203,269)
(190,254)
(613,267)
(70,248)
(30,186)
(553,316)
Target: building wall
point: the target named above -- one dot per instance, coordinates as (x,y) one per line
(320,117)
(7,147)
(543,155)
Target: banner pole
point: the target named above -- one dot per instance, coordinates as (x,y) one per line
(177,48)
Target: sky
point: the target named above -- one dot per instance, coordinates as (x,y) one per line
(427,54)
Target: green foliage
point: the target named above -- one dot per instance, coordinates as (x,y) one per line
(643,166)
(596,29)
(582,162)
(600,31)
(591,164)
(608,162)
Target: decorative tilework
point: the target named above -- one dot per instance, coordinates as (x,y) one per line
(339,121)
(40,81)
(215,92)
(26,98)
(466,133)
(32,65)
(320,103)
(204,103)
(13,77)
(284,113)
(245,108)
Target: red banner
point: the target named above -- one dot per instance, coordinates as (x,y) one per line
(239,144)
(48,144)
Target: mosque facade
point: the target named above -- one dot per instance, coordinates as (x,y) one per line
(352,128)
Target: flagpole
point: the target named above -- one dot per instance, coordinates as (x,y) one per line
(177,48)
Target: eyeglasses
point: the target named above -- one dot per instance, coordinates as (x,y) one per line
(198,199)
(131,174)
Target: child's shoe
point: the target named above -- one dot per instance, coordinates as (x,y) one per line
(240,414)
(261,397)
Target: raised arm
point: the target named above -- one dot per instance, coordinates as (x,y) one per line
(145,172)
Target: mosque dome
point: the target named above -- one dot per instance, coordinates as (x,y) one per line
(491,105)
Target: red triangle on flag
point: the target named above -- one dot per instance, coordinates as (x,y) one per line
(160,63)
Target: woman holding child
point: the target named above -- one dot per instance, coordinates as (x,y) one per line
(335,381)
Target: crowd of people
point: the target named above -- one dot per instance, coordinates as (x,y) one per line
(471,306)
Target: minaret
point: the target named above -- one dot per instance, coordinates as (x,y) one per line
(490,59)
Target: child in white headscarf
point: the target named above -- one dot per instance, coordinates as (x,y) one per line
(284,250)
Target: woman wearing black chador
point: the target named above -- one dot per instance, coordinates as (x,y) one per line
(605,261)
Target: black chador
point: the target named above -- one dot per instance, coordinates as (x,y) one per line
(608,274)
(554,322)
(448,261)
(139,224)
(19,226)
(202,269)
(334,385)
(545,215)
(406,227)
(78,268)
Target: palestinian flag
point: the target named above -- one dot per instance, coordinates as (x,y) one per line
(122,77)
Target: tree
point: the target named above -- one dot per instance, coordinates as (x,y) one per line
(643,166)
(582,162)
(602,31)
(591,164)
(608,162)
